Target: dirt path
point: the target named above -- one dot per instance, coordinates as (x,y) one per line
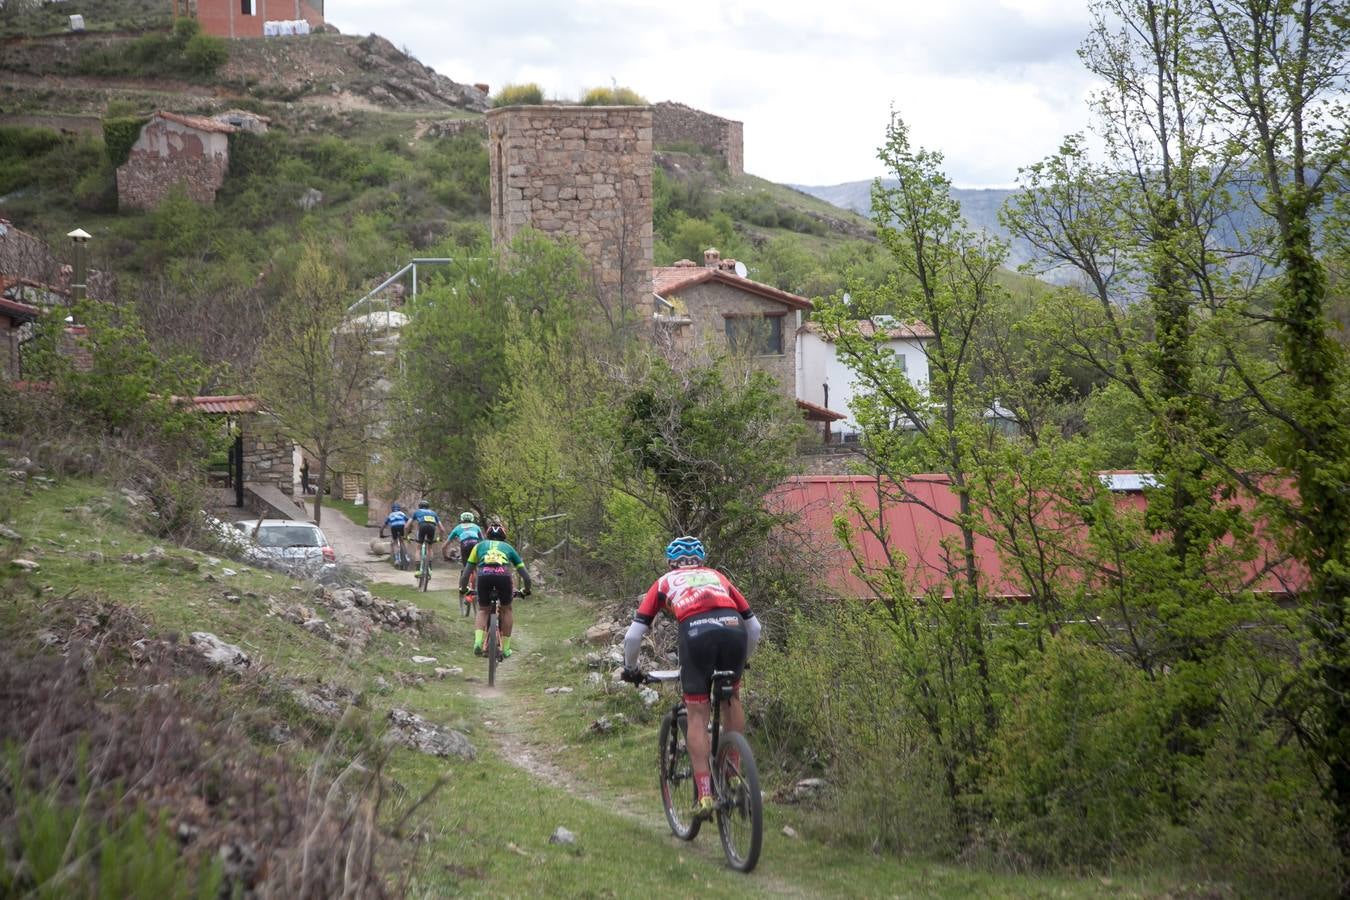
(507,720)
(351,542)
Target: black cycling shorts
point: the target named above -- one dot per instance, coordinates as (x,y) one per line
(709,642)
(426,533)
(396,532)
(465,548)
(490,586)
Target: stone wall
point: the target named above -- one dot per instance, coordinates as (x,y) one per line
(835,460)
(169,153)
(710,304)
(268,457)
(675,123)
(584,172)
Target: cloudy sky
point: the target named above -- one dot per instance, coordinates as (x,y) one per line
(993,84)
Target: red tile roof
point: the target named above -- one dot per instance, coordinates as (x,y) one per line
(868,328)
(236,403)
(818,413)
(12,309)
(668,280)
(200,123)
(918,526)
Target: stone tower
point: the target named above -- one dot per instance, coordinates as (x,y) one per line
(584,172)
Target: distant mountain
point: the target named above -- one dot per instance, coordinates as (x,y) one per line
(979,206)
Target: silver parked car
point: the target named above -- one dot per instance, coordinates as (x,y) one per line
(295,547)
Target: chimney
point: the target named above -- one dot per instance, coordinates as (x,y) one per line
(711,258)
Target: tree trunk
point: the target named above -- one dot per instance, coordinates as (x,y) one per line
(322,486)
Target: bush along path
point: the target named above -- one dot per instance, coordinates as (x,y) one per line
(365,720)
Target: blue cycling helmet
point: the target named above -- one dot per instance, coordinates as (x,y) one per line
(395,508)
(685,548)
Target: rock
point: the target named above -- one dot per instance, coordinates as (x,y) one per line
(789,831)
(228,572)
(382,684)
(208,577)
(809,788)
(594,678)
(558,690)
(561,835)
(413,731)
(605,724)
(25,565)
(314,703)
(424,660)
(648,696)
(319,628)
(219,653)
(311,198)
(598,634)
(155,554)
(233,598)
(94,558)
(238,865)
(9,534)
(443,672)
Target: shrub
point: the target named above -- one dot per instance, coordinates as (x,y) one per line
(119,135)
(204,54)
(519,95)
(613,96)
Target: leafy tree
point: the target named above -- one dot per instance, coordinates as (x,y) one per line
(712,441)
(318,370)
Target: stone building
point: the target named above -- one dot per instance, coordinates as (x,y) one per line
(675,123)
(710,309)
(245,18)
(174,149)
(583,172)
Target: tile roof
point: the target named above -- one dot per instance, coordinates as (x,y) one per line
(12,309)
(672,279)
(236,403)
(201,123)
(817,413)
(868,328)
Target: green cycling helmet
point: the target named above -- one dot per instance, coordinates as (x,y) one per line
(466,517)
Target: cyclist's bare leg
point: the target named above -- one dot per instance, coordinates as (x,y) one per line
(700,744)
(733,715)
(508,618)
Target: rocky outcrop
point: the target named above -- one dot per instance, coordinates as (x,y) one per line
(403,81)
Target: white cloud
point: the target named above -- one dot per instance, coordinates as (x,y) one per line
(993,84)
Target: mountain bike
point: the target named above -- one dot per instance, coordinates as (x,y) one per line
(398,549)
(470,600)
(424,568)
(735,778)
(492,641)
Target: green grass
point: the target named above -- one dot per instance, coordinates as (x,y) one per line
(486,831)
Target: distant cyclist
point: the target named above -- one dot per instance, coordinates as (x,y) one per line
(397,522)
(495,559)
(429,526)
(467,533)
(718,632)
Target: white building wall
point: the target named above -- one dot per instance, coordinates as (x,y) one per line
(819,365)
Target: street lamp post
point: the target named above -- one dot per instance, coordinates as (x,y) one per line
(79,237)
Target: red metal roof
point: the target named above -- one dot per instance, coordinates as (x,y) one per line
(236,403)
(672,279)
(916,519)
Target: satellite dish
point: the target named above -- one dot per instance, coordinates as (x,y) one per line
(740,268)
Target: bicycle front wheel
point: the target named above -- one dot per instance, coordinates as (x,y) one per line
(492,649)
(740,809)
(678,789)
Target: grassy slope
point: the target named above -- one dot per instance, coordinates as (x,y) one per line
(487,830)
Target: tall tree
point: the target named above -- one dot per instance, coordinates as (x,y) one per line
(318,371)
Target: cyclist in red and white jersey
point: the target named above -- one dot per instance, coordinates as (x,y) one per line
(718,632)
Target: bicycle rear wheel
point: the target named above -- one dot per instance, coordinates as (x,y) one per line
(493,648)
(740,809)
(678,789)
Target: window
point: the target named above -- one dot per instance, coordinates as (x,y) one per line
(757,335)
(246,7)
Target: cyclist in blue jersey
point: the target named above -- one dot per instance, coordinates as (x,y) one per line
(397,523)
(429,527)
(467,533)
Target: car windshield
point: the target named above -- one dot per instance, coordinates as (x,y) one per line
(289,536)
